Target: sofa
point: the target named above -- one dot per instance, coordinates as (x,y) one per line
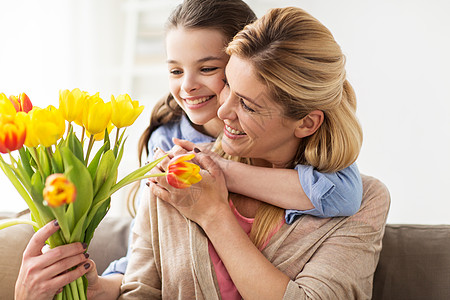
(414,262)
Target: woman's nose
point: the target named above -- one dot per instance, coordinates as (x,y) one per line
(227,103)
(190,83)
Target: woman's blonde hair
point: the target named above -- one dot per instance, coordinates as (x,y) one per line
(299,61)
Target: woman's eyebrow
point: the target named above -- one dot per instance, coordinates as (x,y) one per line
(204,59)
(248,99)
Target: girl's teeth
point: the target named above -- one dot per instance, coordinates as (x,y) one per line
(198,101)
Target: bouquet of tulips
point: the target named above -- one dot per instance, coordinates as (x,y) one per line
(54,173)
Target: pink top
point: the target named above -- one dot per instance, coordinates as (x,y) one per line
(228,290)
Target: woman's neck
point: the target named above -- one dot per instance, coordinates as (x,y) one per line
(212,128)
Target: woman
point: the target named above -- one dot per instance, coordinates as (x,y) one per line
(287,101)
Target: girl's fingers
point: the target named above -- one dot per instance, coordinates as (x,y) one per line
(162,165)
(177,150)
(207,163)
(187,145)
(37,241)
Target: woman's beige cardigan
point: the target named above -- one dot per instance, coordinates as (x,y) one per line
(332,258)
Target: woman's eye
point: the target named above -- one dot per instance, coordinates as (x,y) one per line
(206,70)
(245,106)
(176,72)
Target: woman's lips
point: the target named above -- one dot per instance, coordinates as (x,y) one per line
(233,133)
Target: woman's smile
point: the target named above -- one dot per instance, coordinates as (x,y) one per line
(233,133)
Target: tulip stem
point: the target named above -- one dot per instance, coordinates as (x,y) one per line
(117,136)
(69,128)
(38,163)
(13,161)
(82,137)
(49,152)
(91,143)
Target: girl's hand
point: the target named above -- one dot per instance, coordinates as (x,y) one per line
(43,275)
(201,202)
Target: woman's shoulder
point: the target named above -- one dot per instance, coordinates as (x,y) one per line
(375,203)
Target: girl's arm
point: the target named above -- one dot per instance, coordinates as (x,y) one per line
(301,191)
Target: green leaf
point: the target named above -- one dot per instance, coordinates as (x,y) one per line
(75,146)
(25,158)
(136,175)
(95,218)
(45,162)
(105,190)
(103,170)
(94,162)
(78,174)
(56,161)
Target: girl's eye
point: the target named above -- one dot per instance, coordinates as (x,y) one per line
(176,72)
(206,70)
(245,106)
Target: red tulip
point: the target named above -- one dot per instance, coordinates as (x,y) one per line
(182,174)
(21,102)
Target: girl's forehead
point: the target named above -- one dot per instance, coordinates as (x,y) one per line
(194,45)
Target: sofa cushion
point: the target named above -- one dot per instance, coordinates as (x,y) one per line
(414,263)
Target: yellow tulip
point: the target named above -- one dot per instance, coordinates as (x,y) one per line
(101,135)
(7,109)
(59,190)
(46,126)
(31,139)
(71,104)
(96,114)
(124,110)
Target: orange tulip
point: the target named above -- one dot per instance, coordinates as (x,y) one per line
(21,102)
(182,174)
(59,190)
(12,134)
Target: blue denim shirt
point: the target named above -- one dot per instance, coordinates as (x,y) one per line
(332,194)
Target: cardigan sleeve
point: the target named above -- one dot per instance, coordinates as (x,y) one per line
(142,280)
(344,263)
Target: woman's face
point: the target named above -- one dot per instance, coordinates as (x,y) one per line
(196,63)
(255,126)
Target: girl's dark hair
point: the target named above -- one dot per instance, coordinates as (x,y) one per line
(226,16)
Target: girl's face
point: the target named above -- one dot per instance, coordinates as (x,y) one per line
(254,124)
(196,63)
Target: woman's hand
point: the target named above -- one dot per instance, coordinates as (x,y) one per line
(202,201)
(43,275)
